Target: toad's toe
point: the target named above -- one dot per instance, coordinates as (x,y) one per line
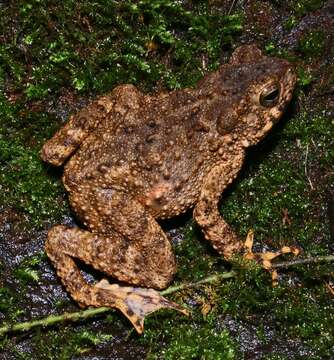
(265,258)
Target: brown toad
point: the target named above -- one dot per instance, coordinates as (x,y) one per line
(138,158)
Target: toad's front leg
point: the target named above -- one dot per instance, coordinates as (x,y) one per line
(216,230)
(69,137)
(206,213)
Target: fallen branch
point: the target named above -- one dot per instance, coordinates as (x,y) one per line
(208,280)
(310,260)
(90,312)
(53,319)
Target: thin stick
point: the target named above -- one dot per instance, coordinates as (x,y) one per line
(90,312)
(310,260)
(53,319)
(207,280)
(231,7)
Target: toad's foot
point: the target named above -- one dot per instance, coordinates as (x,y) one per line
(265,258)
(135,303)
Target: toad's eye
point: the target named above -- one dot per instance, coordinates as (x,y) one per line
(270,95)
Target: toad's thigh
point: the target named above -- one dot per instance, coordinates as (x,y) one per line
(127,235)
(105,210)
(109,253)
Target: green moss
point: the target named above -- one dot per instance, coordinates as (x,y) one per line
(302,7)
(26,186)
(304,312)
(318,124)
(273,50)
(290,23)
(7,299)
(27,270)
(277,194)
(305,78)
(189,342)
(99,45)
(277,184)
(194,256)
(312,44)
(307,319)
(63,344)
(26,275)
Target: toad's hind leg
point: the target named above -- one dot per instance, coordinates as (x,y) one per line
(143,258)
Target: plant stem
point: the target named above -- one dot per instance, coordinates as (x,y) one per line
(309,260)
(207,280)
(53,319)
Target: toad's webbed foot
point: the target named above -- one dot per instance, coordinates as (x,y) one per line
(265,258)
(135,303)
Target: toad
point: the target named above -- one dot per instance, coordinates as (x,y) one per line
(133,159)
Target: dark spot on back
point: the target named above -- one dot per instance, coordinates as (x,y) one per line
(150,138)
(152,124)
(103,168)
(128,129)
(81,121)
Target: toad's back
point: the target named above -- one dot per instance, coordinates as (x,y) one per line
(147,145)
(165,144)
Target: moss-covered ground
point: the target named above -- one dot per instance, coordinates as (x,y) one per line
(57,55)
